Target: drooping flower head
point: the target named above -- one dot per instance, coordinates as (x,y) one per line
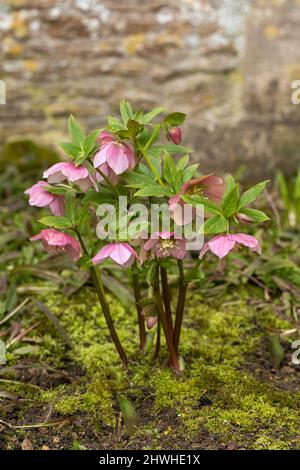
(60,172)
(40,197)
(175,134)
(118,156)
(165,244)
(107,171)
(121,253)
(221,245)
(210,186)
(55,241)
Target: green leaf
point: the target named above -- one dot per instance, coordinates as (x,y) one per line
(89,142)
(115,125)
(276,350)
(153,137)
(151,115)
(133,128)
(209,205)
(2,353)
(56,190)
(60,223)
(189,172)
(255,215)
(71,149)
(76,132)
(175,119)
(70,199)
(196,275)
(126,111)
(152,190)
(183,162)
(171,148)
(216,224)
(252,193)
(230,200)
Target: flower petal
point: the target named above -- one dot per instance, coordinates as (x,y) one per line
(221,245)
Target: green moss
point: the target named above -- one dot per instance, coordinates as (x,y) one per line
(216,392)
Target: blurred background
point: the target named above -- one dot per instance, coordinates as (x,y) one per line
(228,64)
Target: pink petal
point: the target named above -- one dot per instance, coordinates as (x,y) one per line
(103,253)
(247,240)
(57,205)
(100,156)
(165,235)
(73,172)
(38,195)
(179,249)
(121,254)
(54,173)
(117,158)
(221,245)
(151,243)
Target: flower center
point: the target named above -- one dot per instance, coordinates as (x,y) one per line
(167,244)
(196,190)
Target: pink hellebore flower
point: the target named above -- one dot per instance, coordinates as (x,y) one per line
(121,253)
(221,245)
(107,171)
(40,197)
(118,156)
(56,242)
(210,186)
(69,171)
(175,134)
(165,245)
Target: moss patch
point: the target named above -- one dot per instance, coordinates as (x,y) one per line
(216,396)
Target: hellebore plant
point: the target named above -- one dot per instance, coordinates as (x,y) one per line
(139,157)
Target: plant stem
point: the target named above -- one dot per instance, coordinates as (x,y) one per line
(165,325)
(141,321)
(96,276)
(151,166)
(158,334)
(166,296)
(182,289)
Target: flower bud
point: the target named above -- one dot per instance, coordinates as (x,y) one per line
(175,135)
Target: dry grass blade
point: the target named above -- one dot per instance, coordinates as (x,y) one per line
(16,310)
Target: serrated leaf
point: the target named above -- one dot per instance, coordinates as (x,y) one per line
(252,193)
(60,223)
(183,162)
(151,115)
(171,148)
(175,119)
(76,132)
(255,215)
(152,190)
(216,224)
(89,142)
(189,172)
(209,205)
(71,149)
(115,125)
(230,201)
(125,111)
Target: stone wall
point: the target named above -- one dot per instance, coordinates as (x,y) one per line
(228,64)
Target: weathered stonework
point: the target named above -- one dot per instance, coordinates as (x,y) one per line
(228,63)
